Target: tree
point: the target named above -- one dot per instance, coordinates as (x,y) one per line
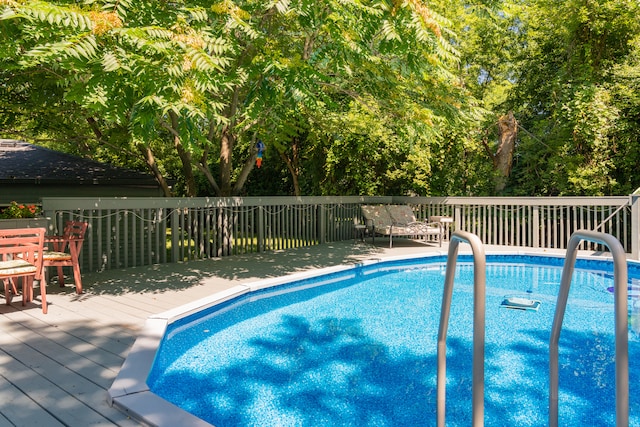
(209,80)
(625,89)
(561,95)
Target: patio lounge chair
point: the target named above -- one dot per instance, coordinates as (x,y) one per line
(398,220)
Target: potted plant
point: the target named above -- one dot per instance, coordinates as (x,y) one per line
(20,215)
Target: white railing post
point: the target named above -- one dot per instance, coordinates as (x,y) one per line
(535,231)
(322,224)
(175,231)
(260,232)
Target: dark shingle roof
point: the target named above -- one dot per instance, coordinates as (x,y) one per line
(21,162)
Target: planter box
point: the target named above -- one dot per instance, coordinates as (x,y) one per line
(24,223)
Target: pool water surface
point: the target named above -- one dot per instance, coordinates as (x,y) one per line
(358,348)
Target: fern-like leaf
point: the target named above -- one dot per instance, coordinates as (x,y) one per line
(282,6)
(56,15)
(217,46)
(388,31)
(204,62)
(80,48)
(198,14)
(110,62)
(120,7)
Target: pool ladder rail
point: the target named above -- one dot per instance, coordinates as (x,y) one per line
(621,312)
(479,309)
(479,289)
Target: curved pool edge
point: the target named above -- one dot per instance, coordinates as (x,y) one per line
(130,393)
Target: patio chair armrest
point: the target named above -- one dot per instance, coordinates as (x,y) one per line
(413,223)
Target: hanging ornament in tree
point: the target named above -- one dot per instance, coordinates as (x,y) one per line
(261,147)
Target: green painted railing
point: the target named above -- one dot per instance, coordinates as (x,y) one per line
(127,232)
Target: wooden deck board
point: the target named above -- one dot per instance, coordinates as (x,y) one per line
(17,404)
(35,376)
(57,367)
(57,379)
(67,345)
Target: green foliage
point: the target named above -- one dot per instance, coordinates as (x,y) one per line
(237,70)
(562,96)
(350,97)
(625,144)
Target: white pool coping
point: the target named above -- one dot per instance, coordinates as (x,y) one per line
(130,392)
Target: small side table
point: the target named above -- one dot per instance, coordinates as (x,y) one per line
(446,221)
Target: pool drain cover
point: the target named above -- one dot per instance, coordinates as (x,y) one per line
(520,303)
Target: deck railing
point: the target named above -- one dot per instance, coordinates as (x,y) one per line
(127,232)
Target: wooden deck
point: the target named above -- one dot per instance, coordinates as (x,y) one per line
(55,369)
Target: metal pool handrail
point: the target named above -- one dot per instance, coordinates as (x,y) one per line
(621,320)
(479,279)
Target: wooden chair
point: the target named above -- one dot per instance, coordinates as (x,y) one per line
(20,260)
(66,251)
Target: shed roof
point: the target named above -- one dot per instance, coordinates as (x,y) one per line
(24,163)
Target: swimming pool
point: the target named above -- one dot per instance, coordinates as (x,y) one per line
(357,347)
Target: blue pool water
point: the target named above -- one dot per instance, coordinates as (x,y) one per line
(358,348)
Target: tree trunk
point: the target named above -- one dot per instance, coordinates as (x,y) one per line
(226,161)
(244,174)
(150,159)
(203,166)
(203,163)
(226,147)
(503,157)
(293,166)
(185,156)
